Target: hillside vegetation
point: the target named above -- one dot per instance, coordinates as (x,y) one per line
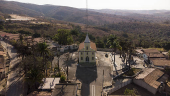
(144,30)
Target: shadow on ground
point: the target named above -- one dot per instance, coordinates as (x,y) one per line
(86,75)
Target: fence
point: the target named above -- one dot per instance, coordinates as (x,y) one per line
(119,86)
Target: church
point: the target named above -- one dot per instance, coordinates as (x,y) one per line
(87,51)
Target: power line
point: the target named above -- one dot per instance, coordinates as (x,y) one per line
(87,16)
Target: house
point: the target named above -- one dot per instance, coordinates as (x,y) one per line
(152,53)
(87,51)
(161,63)
(146,54)
(151,79)
(49,83)
(2,62)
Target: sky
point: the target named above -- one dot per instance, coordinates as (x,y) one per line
(107,4)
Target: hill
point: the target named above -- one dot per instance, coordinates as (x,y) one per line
(60,13)
(155,16)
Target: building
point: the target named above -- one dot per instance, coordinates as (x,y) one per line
(87,51)
(149,53)
(161,63)
(151,79)
(49,83)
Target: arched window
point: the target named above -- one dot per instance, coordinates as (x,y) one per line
(87,59)
(86,47)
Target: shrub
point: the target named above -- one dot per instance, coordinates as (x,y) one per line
(58,75)
(62,78)
(130,92)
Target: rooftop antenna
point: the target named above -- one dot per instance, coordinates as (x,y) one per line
(87,16)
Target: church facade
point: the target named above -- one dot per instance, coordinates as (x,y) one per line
(87,51)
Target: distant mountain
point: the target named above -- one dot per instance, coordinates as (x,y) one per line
(95,17)
(130,12)
(140,15)
(60,13)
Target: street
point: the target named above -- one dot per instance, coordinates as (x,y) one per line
(14,82)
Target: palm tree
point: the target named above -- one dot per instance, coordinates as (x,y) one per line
(113,43)
(110,41)
(34,77)
(21,37)
(43,49)
(58,56)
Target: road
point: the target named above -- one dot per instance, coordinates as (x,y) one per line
(14,82)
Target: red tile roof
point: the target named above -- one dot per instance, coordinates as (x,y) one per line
(92,45)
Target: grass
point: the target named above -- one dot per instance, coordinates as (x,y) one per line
(132,72)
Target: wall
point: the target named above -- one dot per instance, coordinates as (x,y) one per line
(145,85)
(118,87)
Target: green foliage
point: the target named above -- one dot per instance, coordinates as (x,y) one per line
(132,72)
(34,76)
(56,75)
(11,31)
(1,27)
(36,35)
(24,32)
(130,92)
(99,43)
(43,48)
(113,42)
(63,37)
(166,45)
(62,78)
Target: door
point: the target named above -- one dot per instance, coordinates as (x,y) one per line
(87,59)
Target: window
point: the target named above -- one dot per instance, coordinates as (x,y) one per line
(81,53)
(92,53)
(87,53)
(92,58)
(81,58)
(87,48)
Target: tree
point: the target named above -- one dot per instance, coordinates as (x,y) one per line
(33,73)
(58,58)
(113,43)
(99,43)
(67,55)
(43,49)
(34,77)
(63,37)
(74,33)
